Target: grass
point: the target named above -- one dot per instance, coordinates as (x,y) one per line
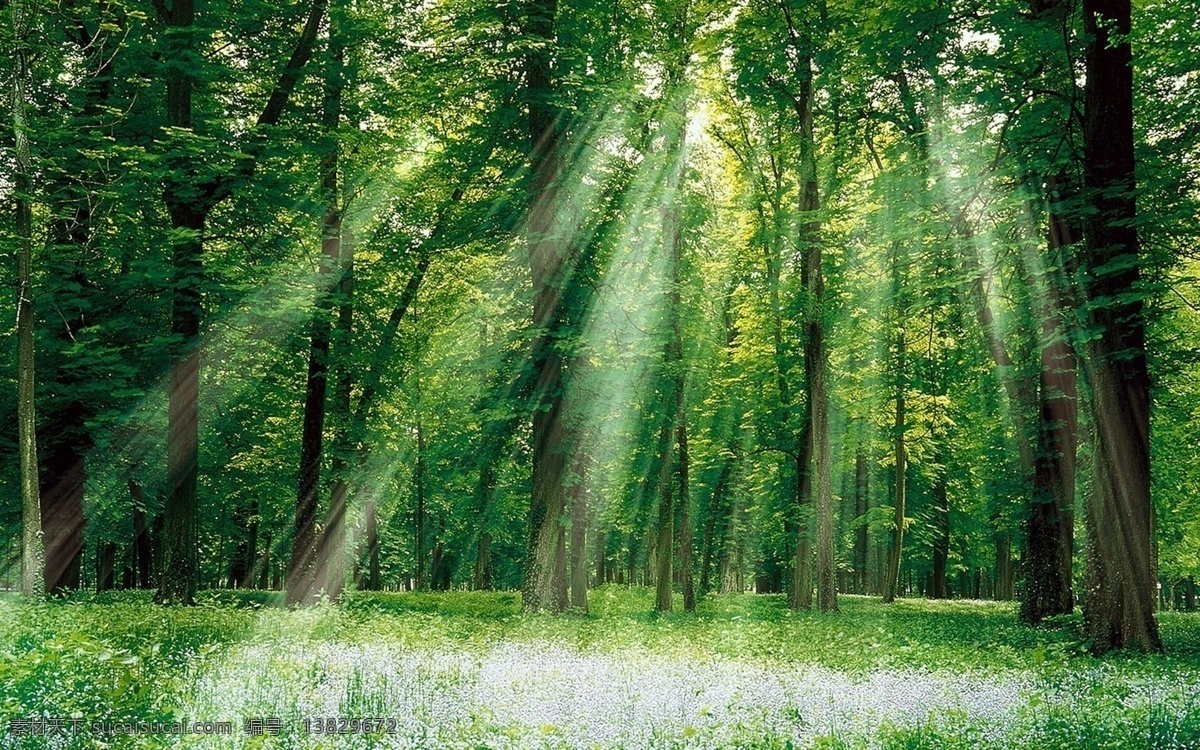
(470,670)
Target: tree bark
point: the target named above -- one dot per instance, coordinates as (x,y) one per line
(331,545)
(544,588)
(1047,588)
(33,558)
(302,573)
(816,357)
(1119,607)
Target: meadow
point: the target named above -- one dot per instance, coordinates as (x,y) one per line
(472,671)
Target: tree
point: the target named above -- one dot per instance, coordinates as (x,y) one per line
(1119,608)
(550,267)
(304,570)
(32,554)
(189,197)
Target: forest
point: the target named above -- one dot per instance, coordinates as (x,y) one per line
(705,323)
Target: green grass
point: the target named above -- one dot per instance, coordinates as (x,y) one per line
(471,670)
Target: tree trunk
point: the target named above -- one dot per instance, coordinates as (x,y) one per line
(892,581)
(816,357)
(483,563)
(800,592)
(420,584)
(372,582)
(941,540)
(1119,609)
(32,551)
(685,516)
(302,570)
(544,588)
(331,545)
(178,578)
(1049,529)
(862,541)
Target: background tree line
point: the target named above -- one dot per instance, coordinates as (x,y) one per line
(792,296)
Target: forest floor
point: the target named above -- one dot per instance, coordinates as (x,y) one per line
(469,670)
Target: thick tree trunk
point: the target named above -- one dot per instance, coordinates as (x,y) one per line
(816,357)
(545,588)
(1119,608)
(1002,589)
(302,570)
(305,580)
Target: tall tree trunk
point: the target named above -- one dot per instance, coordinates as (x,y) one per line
(178,578)
(62,505)
(800,591)
(673,479)
(331,545)
(1002,588)
(302,570)
(106,557)
(816,357)
(544,588)
(32,551)
(1047,588)
(1119,610)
